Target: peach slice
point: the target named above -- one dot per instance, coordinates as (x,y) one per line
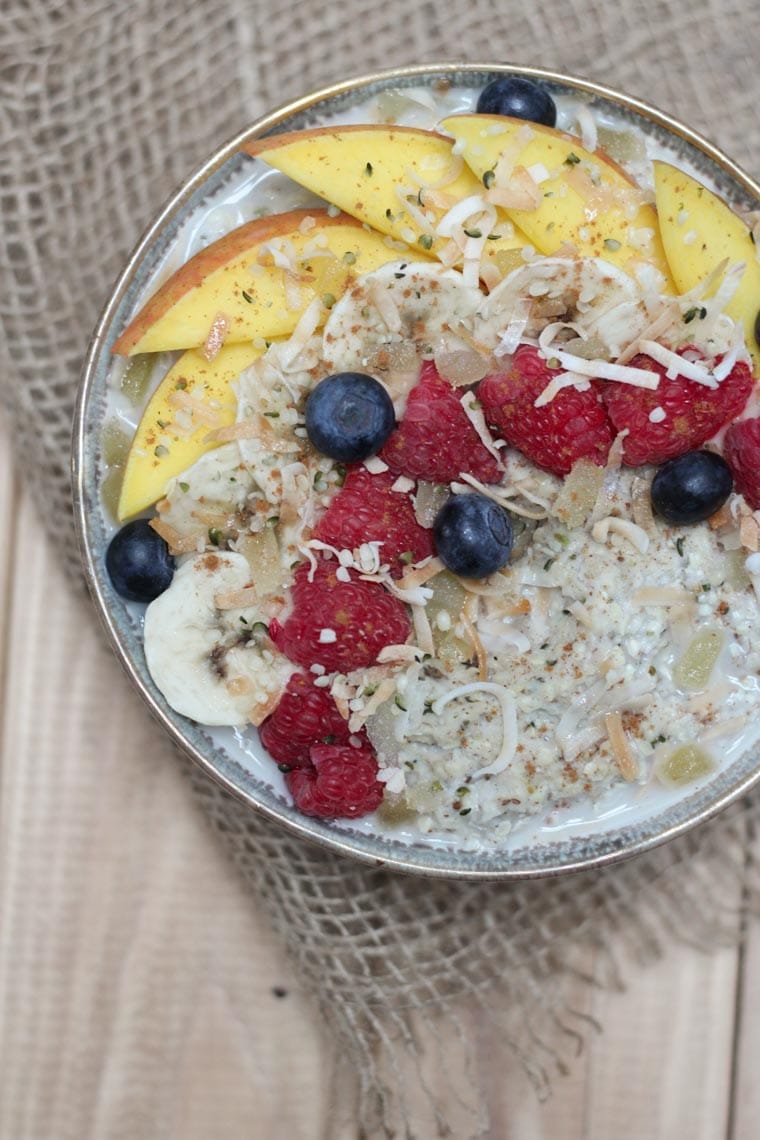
(236,279)
(400,180)
(699,231)
(193,398)
(580,198)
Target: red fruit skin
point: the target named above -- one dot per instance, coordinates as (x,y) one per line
(741,451)
(367,510)
(574,425)
(305,715)
(435,439)
(341,784)
(364,616)
(693,413)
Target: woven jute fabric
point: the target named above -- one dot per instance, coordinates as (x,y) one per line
(104,109)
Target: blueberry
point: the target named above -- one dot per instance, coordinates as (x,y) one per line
(138,562)
(473,535)
(520,98)
(349,416)
(757,328)
(691,487)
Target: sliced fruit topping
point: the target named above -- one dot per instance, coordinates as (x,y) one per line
(306,715)
(558,192)
(677,416)
(195,397)
(572,426)
(340,784)
(436,439)
(741,448)
(402,181)
(699,231)
(256,281)
(691,487)
(368,509)
(349,416)
(518,97)
(138,562)
(341,625)
(473,535)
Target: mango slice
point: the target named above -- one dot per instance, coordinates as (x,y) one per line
(236,278)
(380,175)
(698,232)
(170,436)
(586,198)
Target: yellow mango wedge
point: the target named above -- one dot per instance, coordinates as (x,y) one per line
(698,232)
(587,199)
(236,278)
(195,393)
(380,175)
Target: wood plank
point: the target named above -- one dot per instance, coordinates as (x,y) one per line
(662,1067)
(136,972)
(746,1088)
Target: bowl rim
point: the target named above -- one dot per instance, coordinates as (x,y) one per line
(338,842)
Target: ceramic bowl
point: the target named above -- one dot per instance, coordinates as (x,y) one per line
(592,837)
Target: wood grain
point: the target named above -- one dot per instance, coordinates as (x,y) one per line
(144,995)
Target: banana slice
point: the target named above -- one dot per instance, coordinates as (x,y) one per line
(400,302)
(218,483)
(206,660)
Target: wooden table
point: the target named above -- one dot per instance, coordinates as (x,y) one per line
(142,994)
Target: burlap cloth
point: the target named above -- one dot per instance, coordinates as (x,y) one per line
(105,108)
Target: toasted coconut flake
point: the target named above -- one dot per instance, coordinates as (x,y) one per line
(236,599)
(421,574)
(472,633)
(721,518)
(199,411)
(661,596)
(192,543)
(422,630)
(256,427)
(621,746)
(749,533)
(217,334)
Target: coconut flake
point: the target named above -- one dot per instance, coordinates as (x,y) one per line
(587,124)
(676,365)
(478,421)
(630,530)
(606,370)
(509,721)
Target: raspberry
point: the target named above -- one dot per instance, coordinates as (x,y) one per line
(574,425)
(367,510)
(362,616)
(342,784)
(693,412)
(435,440)
(741,450)
(305,715)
